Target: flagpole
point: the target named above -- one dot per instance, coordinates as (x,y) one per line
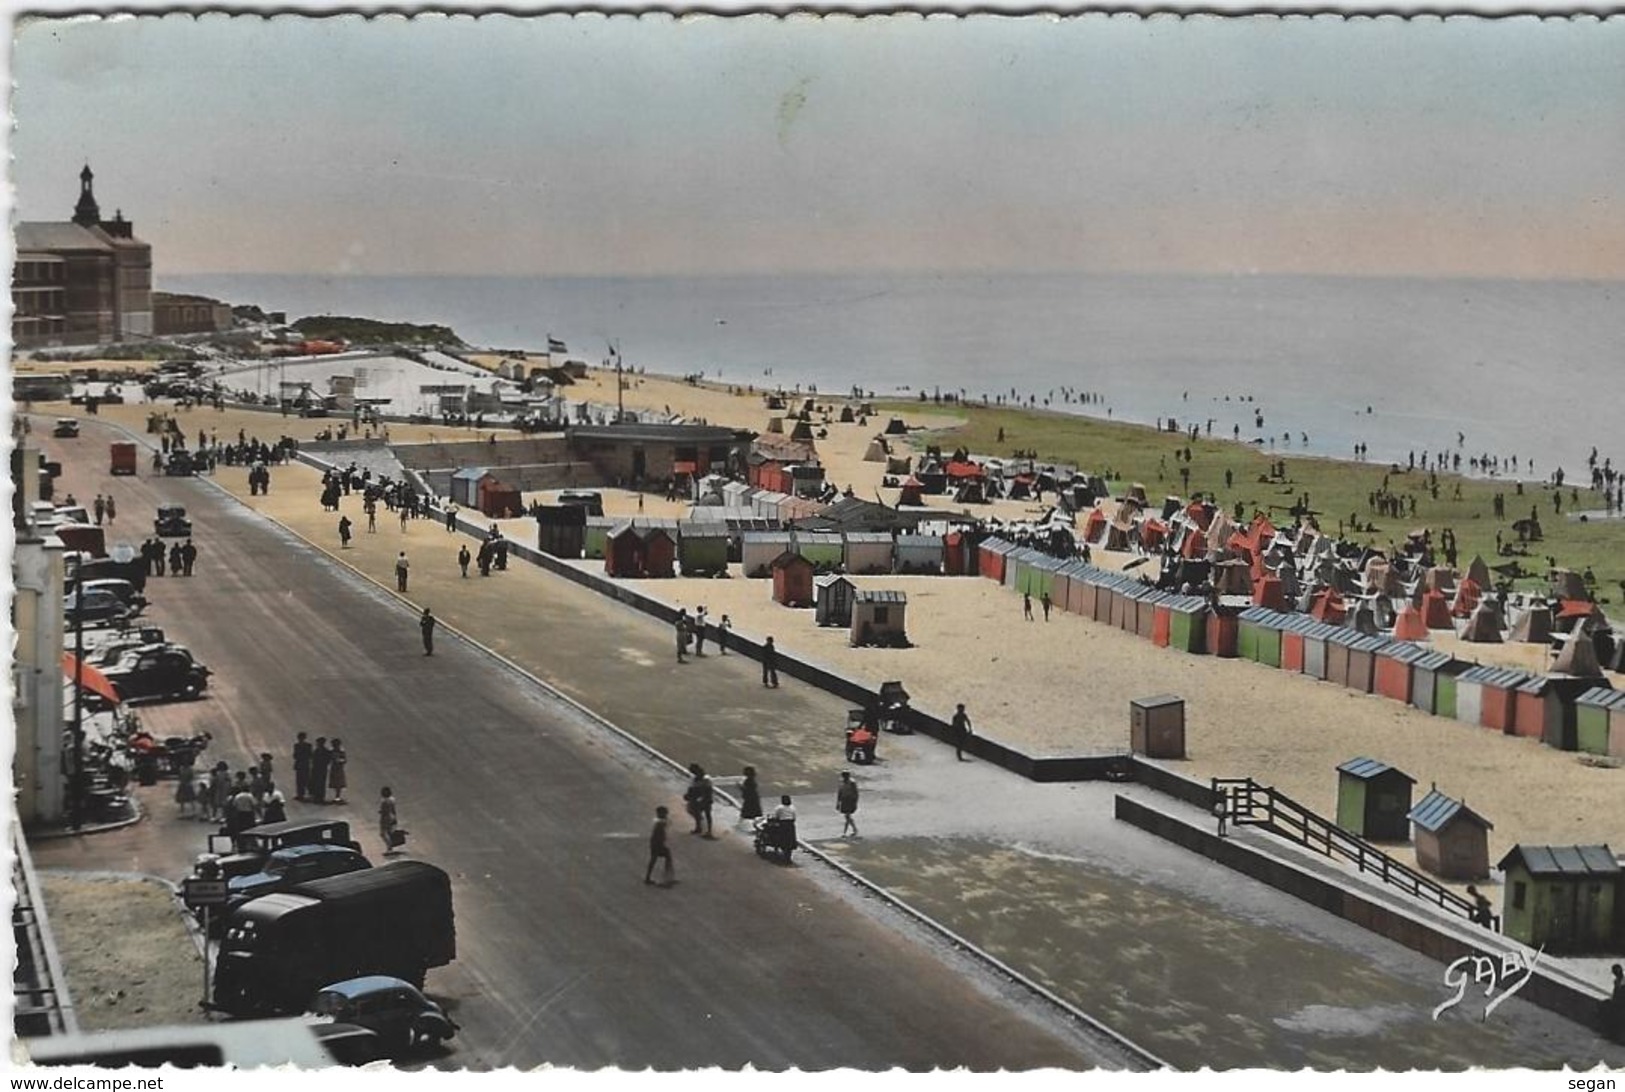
(620,390)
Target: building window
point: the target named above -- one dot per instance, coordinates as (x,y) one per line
(1520,891)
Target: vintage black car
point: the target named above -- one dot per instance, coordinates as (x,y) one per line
(172,521)
(127,593)
(246,853)
(288,866)
(67,428)
(94,608)
(158,672)
(391,1007)
(181,464)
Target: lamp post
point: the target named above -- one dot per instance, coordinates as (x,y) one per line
(76,776)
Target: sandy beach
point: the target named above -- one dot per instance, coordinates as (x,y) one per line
(1064,687)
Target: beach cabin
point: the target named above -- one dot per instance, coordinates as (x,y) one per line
(1498,705)
(994,554)
(1125,596)
(1594,730)
(499,500)
(702,548)
(769,503)
(1548,709)
(1106,585)
(737,494)
(465,485)
(824,549)
(1337,654)
(1452,840)
(595,537)
(878,619)
(1157,726)
(1317,639)
(1374,800)
(1222,625)
(1258,635)
(1362,667)
(867,552)
(959,553)
(1014,565)
(1061,587)
(1562,899)
(1162,618)
(1080,592)
(917,554)
(1145,618)
(1470,693)
(792,580)
(1293,628)
(833,595)
(640,552)
(1041,576)
(1393,670)
(561,529)
(758,549)
(1433,682)
(1187,623)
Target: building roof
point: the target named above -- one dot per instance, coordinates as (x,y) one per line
(1368,768)
(877,595)
(1563,860)
(470,473)
(58,235)
(789,558)
(1437,810)
(659,434)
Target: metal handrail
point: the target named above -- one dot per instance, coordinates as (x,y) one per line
(1289,819)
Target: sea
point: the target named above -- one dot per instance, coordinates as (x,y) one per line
(1520,369)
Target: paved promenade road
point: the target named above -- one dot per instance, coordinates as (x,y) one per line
(540,815)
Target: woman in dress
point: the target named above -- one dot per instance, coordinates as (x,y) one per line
(387,821)
(336,777)
(186,793)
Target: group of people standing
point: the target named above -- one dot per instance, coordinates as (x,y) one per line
(239,801)
(319,768)
(181,557)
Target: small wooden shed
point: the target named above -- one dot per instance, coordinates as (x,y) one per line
(867,552)
(824,549)
(1548,709)
(1187,623)
(1374,800)
(995,552)
(833,595)
(1562,898)
(1317,639)
(1393,670)
(1145,618)
(759,549)
(702,548)
(595,537)
(1470,693)
(917,554)
(465,485)
(959,553)
(1258,635)
(1157,726)
(792,580)
(498,500)
(878,618)
(1433,682)
(1362,667)
(561,529)
(1337,654)
(1498,708)
(1596,728)
(1452,840)
(1292,630)
(638,552)
(1221,632)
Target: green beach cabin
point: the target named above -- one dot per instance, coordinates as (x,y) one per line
(1562,898)
(1374,800)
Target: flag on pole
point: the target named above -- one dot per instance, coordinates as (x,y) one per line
(554,345)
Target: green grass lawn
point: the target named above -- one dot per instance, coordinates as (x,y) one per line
(1336,489)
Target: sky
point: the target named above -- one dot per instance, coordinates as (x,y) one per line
(594,145)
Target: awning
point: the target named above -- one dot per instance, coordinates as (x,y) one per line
(1577,608)
(92,679)
(683,466)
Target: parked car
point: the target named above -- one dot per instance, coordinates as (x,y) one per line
(67,428)
(181,464)
(127,592)
(391,1007)
(294,864)
(72,513)
(158,672)
(94,608)
(348,1044)
(172,521)
(247,852)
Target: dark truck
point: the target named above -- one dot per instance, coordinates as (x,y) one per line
(280,950)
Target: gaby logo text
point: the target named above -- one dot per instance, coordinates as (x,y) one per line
(1510,974)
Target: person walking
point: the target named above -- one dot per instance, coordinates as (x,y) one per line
(175,559)
(301,766)
(1221,812)
(1027,606)
(846,802)
(770,664)
(337,779)
(186,793)
(401,567)
(1045,602)
(241,807)
(321,760)
(276,805)
(426,624)
(700,797)
(388,821)
(682,635)
(100,507)
(723,627)
(451,519)
(659,850)
(219,792)
(188,557)
(750,796)
(961,731)
(344,532)
(699,631)
(112,510)
(463,559)
(371,510)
